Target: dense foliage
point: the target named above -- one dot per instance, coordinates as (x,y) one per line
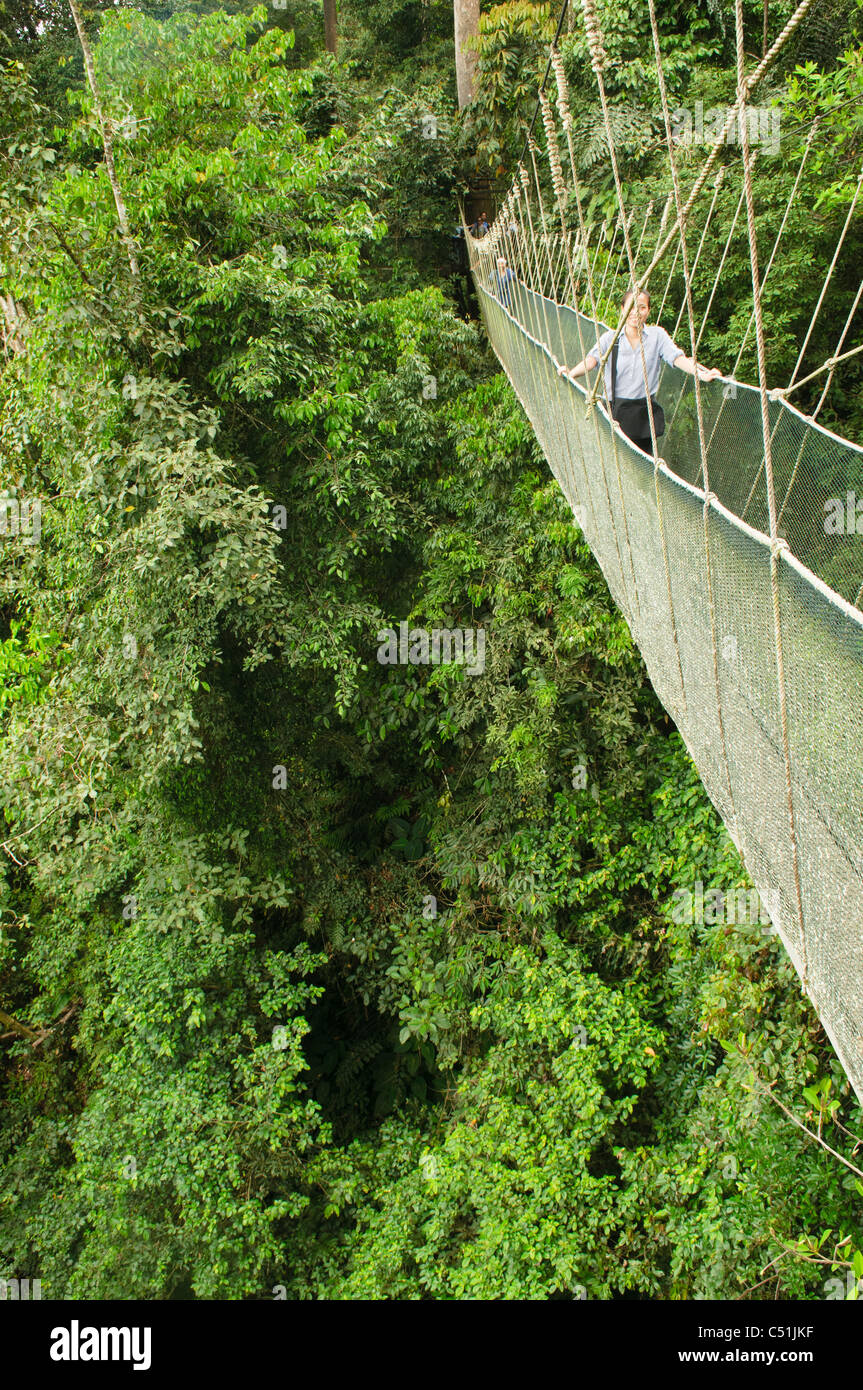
(322,977)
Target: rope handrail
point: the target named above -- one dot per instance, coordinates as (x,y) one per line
(742,593)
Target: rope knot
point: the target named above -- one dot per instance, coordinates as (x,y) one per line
(557,181)
(562,89)
(594,36)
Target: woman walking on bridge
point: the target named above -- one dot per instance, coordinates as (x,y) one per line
(624,374)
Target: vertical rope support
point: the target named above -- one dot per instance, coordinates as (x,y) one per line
(836,353)
(626,225)
(716,187)
(775,544)
(544,239)
(665,214)
(831,363)
(618,224)
(605,479)
(604,236)
(745,337)
(663,221)
(669,280)
(560,193)
(525,184)
(677,322)
(787,213)
(598,60)
(828,278)
(699,408)
(526,350)
(723,258)
(751,321)
(509,249)
(647,216)
(566,120)
(560,190)
(602,239)
(523,348)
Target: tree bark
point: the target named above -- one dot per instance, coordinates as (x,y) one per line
(331,34)
(6,1021)
(107,142)
(14,325)
(466,15)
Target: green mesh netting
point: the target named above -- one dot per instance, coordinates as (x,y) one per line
(719,679)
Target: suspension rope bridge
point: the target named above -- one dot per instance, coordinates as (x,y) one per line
(744,604)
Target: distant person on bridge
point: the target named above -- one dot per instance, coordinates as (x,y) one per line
(626,391)
(480,226)
(501,277)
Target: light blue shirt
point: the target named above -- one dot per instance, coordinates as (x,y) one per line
(500,284)
(658,348)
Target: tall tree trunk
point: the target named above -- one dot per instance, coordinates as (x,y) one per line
(331,36)
(466,15)
(107,142)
